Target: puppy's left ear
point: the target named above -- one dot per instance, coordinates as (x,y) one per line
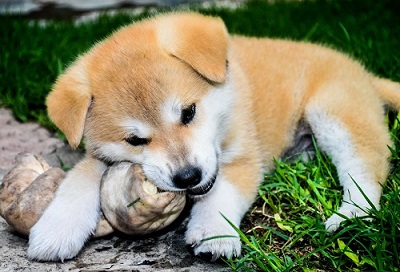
(200,41)
(69,101)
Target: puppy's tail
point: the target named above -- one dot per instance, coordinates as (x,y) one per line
(389,91)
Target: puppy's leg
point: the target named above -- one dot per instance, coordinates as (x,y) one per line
(356,139)
(233,193)
(71,217)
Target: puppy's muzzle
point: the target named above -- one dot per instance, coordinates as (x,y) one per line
(189,178)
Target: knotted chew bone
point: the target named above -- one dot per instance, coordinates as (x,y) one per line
(27,190)
(130,203)
(133,205)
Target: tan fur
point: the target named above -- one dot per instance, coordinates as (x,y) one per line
(388,90)
(276,83)
(67,105)
(290,74)
(182,41)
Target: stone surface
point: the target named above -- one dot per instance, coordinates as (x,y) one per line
(16,137)
(164,251)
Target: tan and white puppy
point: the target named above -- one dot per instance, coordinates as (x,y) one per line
(206,113)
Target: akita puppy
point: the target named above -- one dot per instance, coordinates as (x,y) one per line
(206,113)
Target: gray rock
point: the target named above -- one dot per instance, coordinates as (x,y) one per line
(164,252)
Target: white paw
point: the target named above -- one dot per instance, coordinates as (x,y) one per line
(208,230)
(65,225)
(56,236)
(203,240)
(333,222)
(71,217)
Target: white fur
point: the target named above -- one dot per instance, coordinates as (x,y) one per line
(234,150)
(154,164)
(334,139)
(137,128)
(171,110)
(205,145)
(207,220)
(118,151)
(71,217)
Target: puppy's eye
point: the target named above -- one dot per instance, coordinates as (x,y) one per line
(136,141)
(188,114)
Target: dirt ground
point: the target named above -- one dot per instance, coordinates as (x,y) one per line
(162,252)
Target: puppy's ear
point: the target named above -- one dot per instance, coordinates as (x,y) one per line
(198,40)
(69,101)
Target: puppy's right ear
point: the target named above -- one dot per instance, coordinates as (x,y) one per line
(69,101)
(198,40)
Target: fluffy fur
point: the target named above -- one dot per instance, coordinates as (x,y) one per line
(252,100)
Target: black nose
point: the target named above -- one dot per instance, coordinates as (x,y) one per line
(187,177)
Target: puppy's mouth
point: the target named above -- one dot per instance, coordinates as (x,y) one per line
(202,189)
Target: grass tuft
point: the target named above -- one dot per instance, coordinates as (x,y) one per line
(304,195)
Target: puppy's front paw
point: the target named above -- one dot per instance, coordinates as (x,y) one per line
(53,239)
(333,223)
(71,217)
(63,228)
(217,240)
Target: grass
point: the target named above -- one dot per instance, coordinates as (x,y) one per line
(284,230)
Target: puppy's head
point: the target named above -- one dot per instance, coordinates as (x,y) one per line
(155,93)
